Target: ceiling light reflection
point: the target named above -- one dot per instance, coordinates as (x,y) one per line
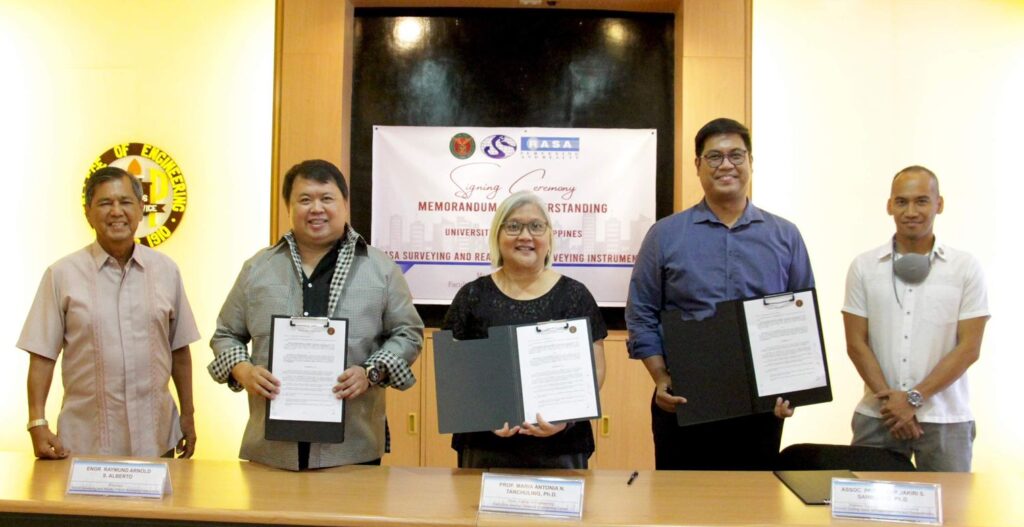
(409,32)
(615,32)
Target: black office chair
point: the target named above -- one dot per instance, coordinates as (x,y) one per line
(809,456)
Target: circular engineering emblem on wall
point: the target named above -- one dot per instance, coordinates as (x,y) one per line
(164,192)
(462,145)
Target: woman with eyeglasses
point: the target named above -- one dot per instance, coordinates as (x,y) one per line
(524,290)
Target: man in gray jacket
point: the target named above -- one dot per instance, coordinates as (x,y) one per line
(321,268)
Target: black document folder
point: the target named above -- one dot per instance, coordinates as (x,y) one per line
(479,384)
(308,431)
(711,365)
(813,487)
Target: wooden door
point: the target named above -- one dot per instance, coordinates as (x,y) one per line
(623,433)
(405,418)
(437,449)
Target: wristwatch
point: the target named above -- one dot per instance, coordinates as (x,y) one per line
(915,398)
(374,374)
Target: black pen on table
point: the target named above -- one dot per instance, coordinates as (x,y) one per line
(632,477)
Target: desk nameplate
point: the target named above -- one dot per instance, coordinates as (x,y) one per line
(891,501)
(135,479)
(532,496)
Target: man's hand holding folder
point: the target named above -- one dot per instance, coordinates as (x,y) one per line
(663,395)
(667,400)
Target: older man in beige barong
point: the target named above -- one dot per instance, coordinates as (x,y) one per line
(117,313)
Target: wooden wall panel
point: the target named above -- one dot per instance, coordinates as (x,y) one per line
(312,119)
(312,91)
(714,28)
(405,420)
(713,76)
(437,447)
(314,81)
(649,6)
(677,97)
(720,93)
(623,434)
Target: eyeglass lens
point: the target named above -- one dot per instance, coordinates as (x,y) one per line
(736,157)
(536,228)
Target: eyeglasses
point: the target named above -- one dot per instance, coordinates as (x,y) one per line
(514,228)
(736,157)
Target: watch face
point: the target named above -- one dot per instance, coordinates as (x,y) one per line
(373,375)
(915,399)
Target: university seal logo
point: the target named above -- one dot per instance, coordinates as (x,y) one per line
(462,145)
(164,192)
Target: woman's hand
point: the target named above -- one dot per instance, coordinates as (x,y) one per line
(542,429)
(505,431)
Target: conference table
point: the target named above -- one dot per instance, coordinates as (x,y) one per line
(32,492)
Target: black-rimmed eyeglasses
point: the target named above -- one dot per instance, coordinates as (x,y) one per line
(715,159)
(515,228)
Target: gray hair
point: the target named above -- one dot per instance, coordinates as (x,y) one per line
(109,173)
(505,209)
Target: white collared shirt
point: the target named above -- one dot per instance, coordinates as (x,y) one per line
(909,340)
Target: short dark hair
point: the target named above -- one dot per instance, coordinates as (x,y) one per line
(722,125)
(109,173)
(317,170)
(919,168)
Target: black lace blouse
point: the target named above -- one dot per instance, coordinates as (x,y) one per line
(479,305)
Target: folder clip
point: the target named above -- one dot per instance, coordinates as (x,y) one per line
(781,298)
(554,326)
(310,321)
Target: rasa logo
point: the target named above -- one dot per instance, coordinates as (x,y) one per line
(164,192)
(551,144)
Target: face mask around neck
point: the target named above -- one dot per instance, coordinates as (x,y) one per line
(912,268)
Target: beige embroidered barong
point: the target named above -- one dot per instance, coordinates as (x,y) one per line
(116,330)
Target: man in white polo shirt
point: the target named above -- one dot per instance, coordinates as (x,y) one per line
(915,314)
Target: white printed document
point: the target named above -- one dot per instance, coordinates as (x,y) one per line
(556,367)
(307,356)
(785,343)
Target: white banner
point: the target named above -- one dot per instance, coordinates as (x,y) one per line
(435,191)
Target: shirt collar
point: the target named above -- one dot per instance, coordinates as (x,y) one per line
(287,239)
(100,257)
(939,250)
(288,242)
(703,214)
(347,247)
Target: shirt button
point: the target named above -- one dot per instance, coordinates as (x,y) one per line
(908,312)
(906,337)
(305,313)
(904,360)
(311,287)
